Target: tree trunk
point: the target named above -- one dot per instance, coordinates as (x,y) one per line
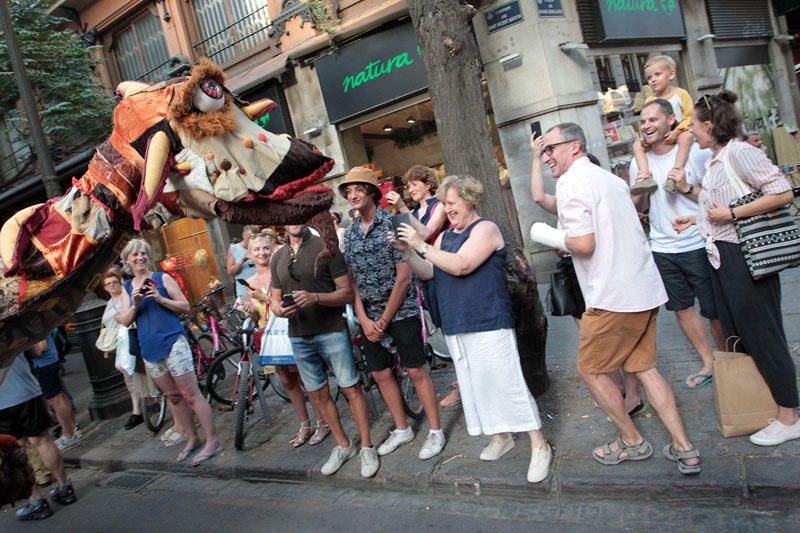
(450,51)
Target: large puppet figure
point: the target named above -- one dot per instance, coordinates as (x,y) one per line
(182,147)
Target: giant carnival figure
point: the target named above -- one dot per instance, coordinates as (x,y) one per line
(182,147)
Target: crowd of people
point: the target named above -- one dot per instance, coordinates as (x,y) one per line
(447,255)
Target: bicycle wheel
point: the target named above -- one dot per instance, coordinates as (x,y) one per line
(241,403)
(278,386)
(411,402)
(154,412)
(221,378)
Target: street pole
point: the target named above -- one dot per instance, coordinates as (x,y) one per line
(51,186)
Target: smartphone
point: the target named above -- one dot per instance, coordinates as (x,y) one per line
(536,129)
(402,218)
(288,300)
(148,282)
(385,188)
(244,283)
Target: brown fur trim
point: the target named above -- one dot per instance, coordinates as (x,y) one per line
(198,124)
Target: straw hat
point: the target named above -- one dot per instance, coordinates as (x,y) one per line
(359,175)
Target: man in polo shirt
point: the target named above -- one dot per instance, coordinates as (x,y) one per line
(680,257)
(320,290)
(23,415)
(387,311)
(622,289)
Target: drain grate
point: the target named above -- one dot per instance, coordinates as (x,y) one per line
(131,480)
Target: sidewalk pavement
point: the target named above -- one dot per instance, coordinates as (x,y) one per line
(733,468)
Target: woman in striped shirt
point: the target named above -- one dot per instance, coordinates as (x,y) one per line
(749,309)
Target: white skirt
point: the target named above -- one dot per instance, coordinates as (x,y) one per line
(494,395)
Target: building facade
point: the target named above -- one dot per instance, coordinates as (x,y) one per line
(348,75)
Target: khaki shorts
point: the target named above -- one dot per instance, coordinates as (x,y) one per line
(611,340)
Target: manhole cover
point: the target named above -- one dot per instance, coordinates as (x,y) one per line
(131,480)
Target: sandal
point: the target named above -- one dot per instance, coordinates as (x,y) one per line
(174,439)
(186,453)
(302,435)
(679,457)
(624,452)
(203,458)
(691,383)
(322,431)
(452,399)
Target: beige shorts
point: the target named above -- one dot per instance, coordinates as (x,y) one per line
(177,363)
(611,340)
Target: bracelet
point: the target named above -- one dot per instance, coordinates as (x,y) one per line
(733,214)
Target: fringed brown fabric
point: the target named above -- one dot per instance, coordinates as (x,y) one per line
(199,124)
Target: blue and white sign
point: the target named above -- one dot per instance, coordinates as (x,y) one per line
(503,16)
(550,8)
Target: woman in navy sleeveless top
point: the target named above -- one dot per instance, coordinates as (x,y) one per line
(467,265)
(422,184)
(155,302)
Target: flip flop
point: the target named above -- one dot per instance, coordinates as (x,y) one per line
(452,399)
(705,379)
(202,458)
(679,457)
(186,453)
(174,439)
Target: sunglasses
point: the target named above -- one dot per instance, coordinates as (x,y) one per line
(705,99)
(550,147)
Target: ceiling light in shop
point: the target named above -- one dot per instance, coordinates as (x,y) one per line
(411,121)
(387,128)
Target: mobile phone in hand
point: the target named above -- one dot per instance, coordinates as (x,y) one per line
(536,129)
(244,284)
(288,300)
(401,218)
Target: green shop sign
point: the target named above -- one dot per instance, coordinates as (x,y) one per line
(639,19)
(371,72)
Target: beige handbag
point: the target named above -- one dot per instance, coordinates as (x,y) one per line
(107,340)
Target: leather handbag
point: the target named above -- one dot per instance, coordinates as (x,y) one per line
(133,341)
(770,242)
(107,340)
(565,297)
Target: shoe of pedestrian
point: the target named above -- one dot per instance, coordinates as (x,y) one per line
(500,445)
(645,186)
(369,461)
(433,446)
(35,511)
(64,494)
(776,433)
(302,435)
(338,457)
(397,438)
(540,463)
(322,431)
(133,421)
(65,443)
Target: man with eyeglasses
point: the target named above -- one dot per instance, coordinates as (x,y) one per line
(387,311)
(319,291)
(680,257)
(622,289)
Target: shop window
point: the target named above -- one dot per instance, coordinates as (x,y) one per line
(604,73)
(140,50)
(230,27)
(739,19)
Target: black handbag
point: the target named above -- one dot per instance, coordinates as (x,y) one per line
(565,297)
(133,342)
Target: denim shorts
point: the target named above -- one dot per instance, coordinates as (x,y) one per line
(315,354)
(177,363)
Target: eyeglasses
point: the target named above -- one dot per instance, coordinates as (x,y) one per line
(111,283)
(550,147)
(292,261)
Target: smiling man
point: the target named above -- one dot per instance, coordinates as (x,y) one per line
(680,257)
(622,289)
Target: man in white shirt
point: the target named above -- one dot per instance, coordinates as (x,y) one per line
(680,257)
(622,289)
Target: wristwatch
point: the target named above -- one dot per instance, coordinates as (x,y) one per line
(688,191)
(424,250)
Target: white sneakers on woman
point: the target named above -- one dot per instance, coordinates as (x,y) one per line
(539,467)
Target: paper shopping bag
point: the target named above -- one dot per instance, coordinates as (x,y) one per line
(743,401)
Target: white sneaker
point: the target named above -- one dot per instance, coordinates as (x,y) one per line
(501,444)
(776,433)
(540,463)
(64,443)
(397,438)
(433,446)
(338,457)
(369,461)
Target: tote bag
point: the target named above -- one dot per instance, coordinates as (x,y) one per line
(276,348)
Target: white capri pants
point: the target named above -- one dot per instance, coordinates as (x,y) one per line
(494,395)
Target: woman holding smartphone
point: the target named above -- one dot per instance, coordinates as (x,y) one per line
(155,303)
(258,287)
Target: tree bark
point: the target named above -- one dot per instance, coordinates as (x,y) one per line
(450,51)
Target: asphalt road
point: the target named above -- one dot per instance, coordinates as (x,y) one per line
(154,502)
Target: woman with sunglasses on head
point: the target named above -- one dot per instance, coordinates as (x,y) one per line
(749,309)
(260,246)
(155,303)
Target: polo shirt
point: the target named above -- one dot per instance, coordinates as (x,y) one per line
(313,276)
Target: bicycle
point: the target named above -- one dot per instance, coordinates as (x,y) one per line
(154,411)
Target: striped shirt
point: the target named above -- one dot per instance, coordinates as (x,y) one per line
(754,169)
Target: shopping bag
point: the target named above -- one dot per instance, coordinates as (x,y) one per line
(123,360)
(276,348)
(742,399)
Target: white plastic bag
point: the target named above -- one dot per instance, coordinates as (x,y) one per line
(276,348)
(124,361)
